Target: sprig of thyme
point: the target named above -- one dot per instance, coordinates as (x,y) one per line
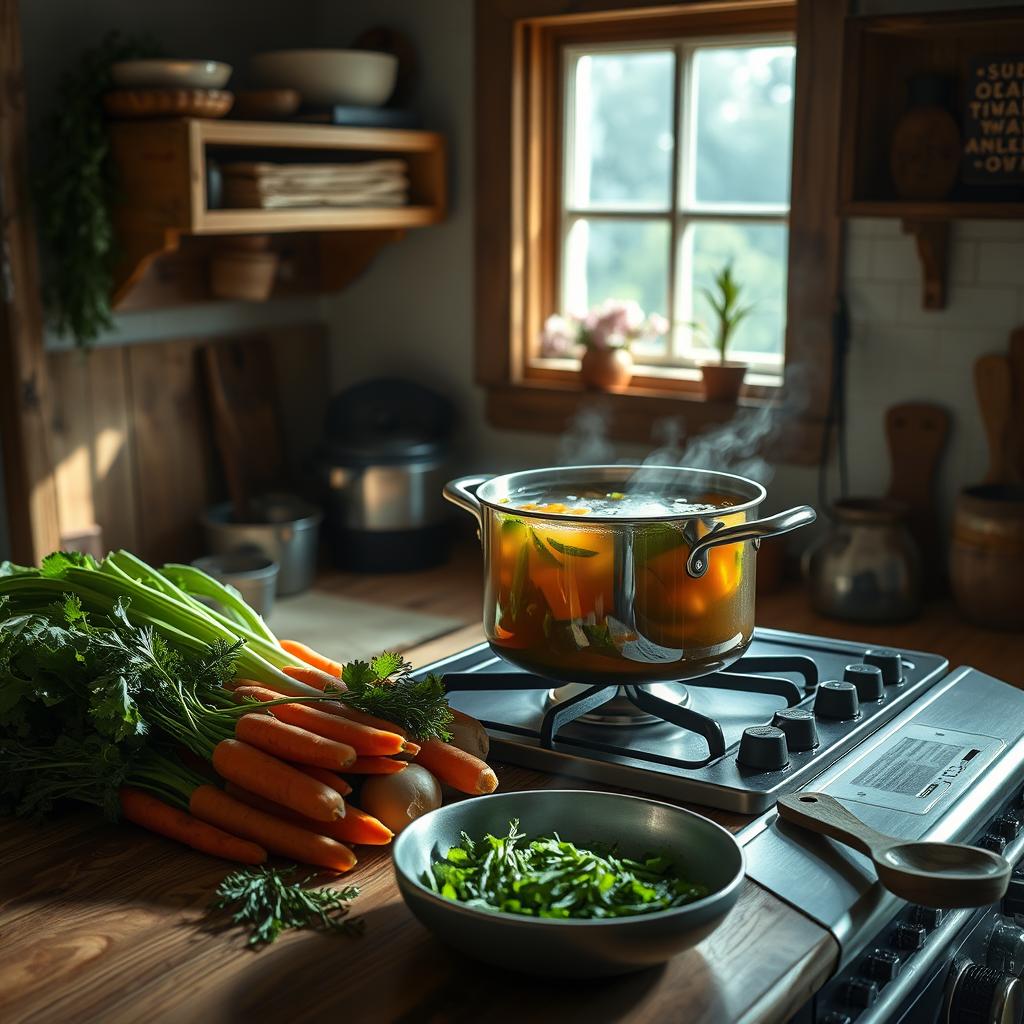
(270,901)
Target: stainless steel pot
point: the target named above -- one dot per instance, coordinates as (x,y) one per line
(615,598)
(285,528)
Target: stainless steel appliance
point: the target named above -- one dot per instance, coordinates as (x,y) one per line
(915,749)
(384,462)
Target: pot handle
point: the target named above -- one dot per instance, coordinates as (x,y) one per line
(462,492)
(792,519)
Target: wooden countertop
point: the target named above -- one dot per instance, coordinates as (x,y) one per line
(106,923)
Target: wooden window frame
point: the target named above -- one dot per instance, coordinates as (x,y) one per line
(518,52)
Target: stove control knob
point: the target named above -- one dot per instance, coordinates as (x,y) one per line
(1013,901)
(929,918)
(763,747)
(909,936)
(882,966)
(990,841)
(1007,826)
(836,700)
(867,679)
(860,992)
(889,661)
(982,995)
(1006,949)
(798,725)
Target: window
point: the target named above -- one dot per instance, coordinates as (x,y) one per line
(524,55)
(675,159)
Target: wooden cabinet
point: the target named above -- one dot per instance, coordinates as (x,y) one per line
(881,56)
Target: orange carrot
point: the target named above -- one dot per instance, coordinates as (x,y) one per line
(375,766)
(311,657)
(356,827)
(146,810)
(362,738)
(257,770)
(315,677)
(330,779)
(459,769)
(291,743)
(321,680)
(278,836)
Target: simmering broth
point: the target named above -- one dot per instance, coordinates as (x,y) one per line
(581,598)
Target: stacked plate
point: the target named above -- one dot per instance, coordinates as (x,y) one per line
(169,88)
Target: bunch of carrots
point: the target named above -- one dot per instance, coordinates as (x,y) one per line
(284,761)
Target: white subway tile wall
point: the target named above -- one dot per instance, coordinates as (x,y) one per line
(902,352)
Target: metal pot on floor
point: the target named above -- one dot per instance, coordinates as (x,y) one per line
(384,462)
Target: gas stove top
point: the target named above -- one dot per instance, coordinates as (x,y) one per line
(913,749)
(735,740)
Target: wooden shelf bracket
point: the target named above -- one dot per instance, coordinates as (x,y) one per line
(932,238)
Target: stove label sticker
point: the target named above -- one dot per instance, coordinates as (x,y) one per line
(915,769)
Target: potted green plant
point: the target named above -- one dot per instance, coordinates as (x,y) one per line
(724,378)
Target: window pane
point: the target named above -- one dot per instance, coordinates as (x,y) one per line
(758,252)
(617,259)
(743,106)
(622,130)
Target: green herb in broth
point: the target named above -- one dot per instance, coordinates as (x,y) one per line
(550,877)
(568,549)
(543,553)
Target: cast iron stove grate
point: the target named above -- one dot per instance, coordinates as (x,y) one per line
(746,675)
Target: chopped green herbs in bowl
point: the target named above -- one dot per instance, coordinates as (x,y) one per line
(568,883)
(551,877)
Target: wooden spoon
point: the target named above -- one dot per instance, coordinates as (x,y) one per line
(994,388)
(945,875)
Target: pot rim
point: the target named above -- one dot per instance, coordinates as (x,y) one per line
(732,484)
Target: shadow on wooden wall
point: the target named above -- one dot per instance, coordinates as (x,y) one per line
(133,446)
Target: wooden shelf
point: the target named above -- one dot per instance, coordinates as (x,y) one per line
(163,173)
(319,218)
(947,209)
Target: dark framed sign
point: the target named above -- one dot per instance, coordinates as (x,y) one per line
(993,128)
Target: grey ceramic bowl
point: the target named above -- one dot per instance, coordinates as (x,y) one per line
(573,948)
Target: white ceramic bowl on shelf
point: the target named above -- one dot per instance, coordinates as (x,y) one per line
(361,78)
(181,74)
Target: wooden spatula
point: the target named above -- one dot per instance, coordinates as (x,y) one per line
(1017,424)
(994,388)
(933,874)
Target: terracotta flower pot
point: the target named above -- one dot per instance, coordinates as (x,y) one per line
(606,369)
(722,381)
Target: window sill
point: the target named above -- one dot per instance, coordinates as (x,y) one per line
(548,406)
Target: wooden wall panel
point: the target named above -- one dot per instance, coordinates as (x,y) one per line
(115,499)
(132,442)
(172,447)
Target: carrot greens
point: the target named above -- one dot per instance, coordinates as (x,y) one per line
(385,688)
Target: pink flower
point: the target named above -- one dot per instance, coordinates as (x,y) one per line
(657,325)
(559,336)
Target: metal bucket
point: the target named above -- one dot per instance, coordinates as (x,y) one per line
(249,571)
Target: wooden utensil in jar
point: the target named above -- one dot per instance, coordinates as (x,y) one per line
(917,433)
(994,388)
(931,874)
